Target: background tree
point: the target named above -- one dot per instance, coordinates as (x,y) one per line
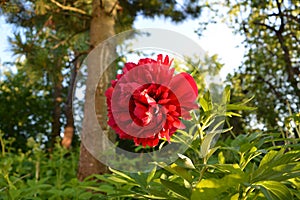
(56,35)
(25,107)
(50,52)
(270,69)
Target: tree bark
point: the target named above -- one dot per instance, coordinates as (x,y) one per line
(69,127)
(56,124)
(102,27)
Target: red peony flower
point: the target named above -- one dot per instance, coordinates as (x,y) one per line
(146,102)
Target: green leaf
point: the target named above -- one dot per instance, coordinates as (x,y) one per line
(207,142)
(230,114)
(185,161)
(226,95)
(205,102)
(267,158)
(182,172)
(86,195)
(122,174)
(177,170)
(274,190)
(114,180)
(151,174)
(213,188)
(221,158)
(239,107)
(278,166)
(102,188)
(154,197)
(178,189)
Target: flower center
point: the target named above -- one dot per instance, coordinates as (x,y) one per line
(144,104)
(156,109)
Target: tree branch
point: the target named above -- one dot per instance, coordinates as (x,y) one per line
(69,38)
(68,7)
(281,28)
(271,86)
(101,4)
(286,54)
(265,25)
(79,54)
(112,9)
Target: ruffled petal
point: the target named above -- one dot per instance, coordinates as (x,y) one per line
(154,109)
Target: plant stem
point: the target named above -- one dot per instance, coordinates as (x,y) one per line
(203,169)
(2,145)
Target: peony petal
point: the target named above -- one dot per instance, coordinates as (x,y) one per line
(159,58)
(165,95)
(192,82)
(150,100)
(163,101)
(108,92)
(178,124)
(140,110)
(166,61)
(172,108)
(183,84)
(145,61)
(123,116)
(164,133)
(128,67)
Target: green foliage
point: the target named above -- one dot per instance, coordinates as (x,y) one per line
(37,174)
(25,108)
(247,166)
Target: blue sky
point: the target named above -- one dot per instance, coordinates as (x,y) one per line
(217,39)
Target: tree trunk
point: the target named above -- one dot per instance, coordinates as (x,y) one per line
(56,125)
(102,27)
(69,128)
